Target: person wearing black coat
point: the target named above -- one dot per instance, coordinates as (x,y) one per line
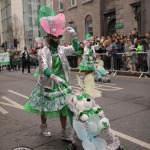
(25,60)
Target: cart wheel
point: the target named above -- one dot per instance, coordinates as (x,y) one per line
(71,147)
(122,148)
(100,80)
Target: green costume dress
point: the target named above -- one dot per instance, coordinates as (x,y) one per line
(87,63)
(50,102)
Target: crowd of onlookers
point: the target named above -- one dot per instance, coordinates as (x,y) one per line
(126,52)
(17,59)
(122,51)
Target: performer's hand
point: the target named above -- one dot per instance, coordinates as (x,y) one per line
(57,79)
(70,30)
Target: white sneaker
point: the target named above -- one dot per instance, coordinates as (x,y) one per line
(44,130)
(64,136)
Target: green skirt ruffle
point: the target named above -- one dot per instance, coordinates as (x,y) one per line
(51,104)
(86,65)
(85,68)
(55,114)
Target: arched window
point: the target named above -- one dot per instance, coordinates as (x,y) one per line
(88,24)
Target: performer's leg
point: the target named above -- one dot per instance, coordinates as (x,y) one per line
(88,72)
(64,136)
(43,119)
(79,60)
(63,121)
(44,129)
(23,66)
(28,65)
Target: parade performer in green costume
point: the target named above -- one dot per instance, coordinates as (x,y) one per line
(87,63)
(47,98)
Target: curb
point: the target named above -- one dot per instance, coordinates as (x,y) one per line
(119,72)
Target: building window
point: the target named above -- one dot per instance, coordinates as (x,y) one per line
(86,1)
(88,24)
(73,2)
(61,5)
(110,1)
(30,12)
(137,12)
(29,6)
(30,42)
(30,20)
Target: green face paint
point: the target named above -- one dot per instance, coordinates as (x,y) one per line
(54,43)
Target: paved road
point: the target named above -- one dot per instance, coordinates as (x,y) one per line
(126,101)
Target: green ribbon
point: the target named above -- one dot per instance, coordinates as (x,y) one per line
(85,95)
(87,112)
(99,110)
(106,126)
(76,45)
(80,97)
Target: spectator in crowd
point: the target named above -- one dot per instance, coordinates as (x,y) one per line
(146,41)
(99,61)
(72,59)
(114,53)
(10,67)
(127,45)
(15,60)
(25,59)
(107,59)
(133,59)
(126,55)
(18,59)
(139,50)
(1,67)
(80,52)
(119,50)
(135,43)
(133,36)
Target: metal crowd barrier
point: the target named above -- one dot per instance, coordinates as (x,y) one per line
(121,61)
(18,61)
(33,61)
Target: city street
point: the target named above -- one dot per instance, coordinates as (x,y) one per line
(126,102)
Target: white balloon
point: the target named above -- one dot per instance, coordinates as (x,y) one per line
(104,123)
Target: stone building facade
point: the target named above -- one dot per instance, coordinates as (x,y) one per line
(102,17)
(105,17)
(83,16)
(26,12)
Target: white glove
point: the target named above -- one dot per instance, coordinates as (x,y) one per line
(57,79)
(70,30)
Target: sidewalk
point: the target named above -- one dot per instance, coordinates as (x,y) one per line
(121,72)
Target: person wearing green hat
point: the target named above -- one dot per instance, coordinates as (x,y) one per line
(88,35)
(87,62)
(48,98)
